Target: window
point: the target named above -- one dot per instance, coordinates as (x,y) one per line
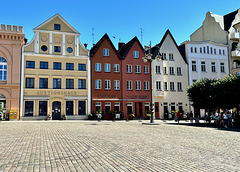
(129,68)
(105,52)
(137,69)
(171,56)
(171,69)
(222,68)
(107,107)
(129,108)
(57,65)
(179,71)
(211,50)
(116,67)
(116,84)
(69,66)
(29,83)
(69,107)
(69,50)
(43,65)
(194,80)
(82,84)
(194,66)
(57,49)
(179,86)
(220,52)
(165,70)
(171,86)
(97,67)
(138,85)
(195,49)
(147,107)
(180,107)
(69,83)
(107,85)
(158,85)
(107,67)
(98,106)
(117,107)
(57,27)
(42,109)
(204,49)
(215,52)
(223,52)
(203,66)
(158,71)
(43,82)
(97,84)
(129,85)
(30,64)
(145,69)
(213,67)
(28,109)
(146,85)
(44,48)
(82,67)
(164,56)
(200,49)
(57,83)
(191,49)
(135,54)
(208,49)
(165,86)
(3,69)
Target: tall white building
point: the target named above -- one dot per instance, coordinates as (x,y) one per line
(170,79)
(205,59)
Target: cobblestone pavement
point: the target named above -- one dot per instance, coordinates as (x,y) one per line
(116,146)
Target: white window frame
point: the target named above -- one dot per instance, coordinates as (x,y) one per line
(158,85)
(138,85)
(158,69)
(129,85)
(135,54)
(194,66)
(146,69)
(172,86)
(171,70)
(116,68)
(116,85)
(107,104)
(203,66)
(213,66)
(107,84)
(222,67)
(107,67)
(146,85)
(105,52)
(179,71)
(97,67)
(98,104)
(171,56)
(165,86)
(98,85)
(164,55)
(33,106)
(129,68)
(179,85)
(137,69)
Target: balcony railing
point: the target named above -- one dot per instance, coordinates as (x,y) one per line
(235,53)
(234,36)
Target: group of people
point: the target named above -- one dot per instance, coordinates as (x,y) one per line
(224,119)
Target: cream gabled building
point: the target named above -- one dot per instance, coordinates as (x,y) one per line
(170,79)
(220,30)
(55,70)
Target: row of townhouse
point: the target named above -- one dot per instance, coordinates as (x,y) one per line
(54,74)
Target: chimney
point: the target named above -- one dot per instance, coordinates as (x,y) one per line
(3,28)
(120,45)
(9,28)
(85,45)
(15,28)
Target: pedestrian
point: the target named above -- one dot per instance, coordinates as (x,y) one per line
(196,118)
(225,119)
(230,123)
(191,117)
(178,116)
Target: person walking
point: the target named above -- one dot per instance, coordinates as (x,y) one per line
(225,119)
(178,116)
(230,123)
(191,117)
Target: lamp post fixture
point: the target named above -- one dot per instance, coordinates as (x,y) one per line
(149,57)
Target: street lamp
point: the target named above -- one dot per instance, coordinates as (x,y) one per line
(149,57)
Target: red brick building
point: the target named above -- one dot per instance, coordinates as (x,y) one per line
(136,92)
(105,77)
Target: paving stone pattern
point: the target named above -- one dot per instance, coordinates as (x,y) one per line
(116,146)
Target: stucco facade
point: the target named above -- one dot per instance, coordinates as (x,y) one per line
(55,70)
(11,41)
(170,79)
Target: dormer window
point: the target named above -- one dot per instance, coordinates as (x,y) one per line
(57,27)
(105,52)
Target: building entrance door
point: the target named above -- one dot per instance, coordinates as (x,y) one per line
(140,108)
(157,110)
(81,108)
(2,107)
(56,110)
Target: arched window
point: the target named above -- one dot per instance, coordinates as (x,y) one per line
(3,69)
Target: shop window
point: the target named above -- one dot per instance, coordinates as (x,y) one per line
(28,109)
(69,107)
(42,109)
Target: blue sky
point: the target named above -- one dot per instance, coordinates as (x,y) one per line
(121,19)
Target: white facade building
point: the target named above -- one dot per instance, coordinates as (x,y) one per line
(206,60)
(170,79)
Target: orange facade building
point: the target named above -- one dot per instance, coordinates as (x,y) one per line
(11,41)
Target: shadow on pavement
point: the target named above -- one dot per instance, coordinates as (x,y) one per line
(207,125)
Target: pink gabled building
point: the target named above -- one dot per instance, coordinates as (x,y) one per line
(135,84)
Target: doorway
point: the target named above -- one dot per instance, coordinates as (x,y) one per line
(82,108)
(56,110)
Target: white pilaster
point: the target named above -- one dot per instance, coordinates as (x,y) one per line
(21,87)
(76,45)
(63,44)
(50,44)
(199,71)
(190,71)
(89,85)
(36,43)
